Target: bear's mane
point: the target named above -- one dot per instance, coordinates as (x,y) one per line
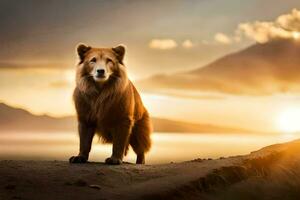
(103,94)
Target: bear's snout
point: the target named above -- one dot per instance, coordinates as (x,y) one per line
(100,72)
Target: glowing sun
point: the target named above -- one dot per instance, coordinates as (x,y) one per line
(296,35)
(289,120)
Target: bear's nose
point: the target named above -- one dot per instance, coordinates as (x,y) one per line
(100,72)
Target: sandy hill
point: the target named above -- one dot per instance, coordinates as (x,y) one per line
(270,173)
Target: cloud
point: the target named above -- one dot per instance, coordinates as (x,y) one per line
(284,27)
(187,44)
(222,38)
(10,64)
(179,93)
(290,21)
(162,44)
(262,32)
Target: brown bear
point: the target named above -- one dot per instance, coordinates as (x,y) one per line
(108,104)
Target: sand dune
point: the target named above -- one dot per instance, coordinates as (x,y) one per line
(205,179)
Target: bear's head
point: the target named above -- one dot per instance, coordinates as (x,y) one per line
(100,64)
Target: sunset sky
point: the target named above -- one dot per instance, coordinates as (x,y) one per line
(38,40)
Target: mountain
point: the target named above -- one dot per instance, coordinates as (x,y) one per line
(260,69)
(16,119)
(166,125)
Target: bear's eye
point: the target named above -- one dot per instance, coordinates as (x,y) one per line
(108,60)
(93,60)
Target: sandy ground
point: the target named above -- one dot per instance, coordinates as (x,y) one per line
(57,180)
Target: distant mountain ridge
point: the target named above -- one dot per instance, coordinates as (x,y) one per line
(257,70)
(19,119)
(16,119)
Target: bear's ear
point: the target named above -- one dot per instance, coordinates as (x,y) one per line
(81,50)
(120,52)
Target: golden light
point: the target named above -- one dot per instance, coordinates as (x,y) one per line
(289,120)
(296,35)
(69,76)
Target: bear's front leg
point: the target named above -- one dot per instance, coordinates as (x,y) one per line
(120,142)
(86,134)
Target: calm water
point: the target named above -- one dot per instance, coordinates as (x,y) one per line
(167,147)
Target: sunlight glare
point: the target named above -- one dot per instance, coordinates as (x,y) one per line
(289,120)
(296,35)
(69,76)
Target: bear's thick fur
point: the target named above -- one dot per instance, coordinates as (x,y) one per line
(108,104)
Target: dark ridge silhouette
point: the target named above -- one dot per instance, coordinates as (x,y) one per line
(16,119)
(19,119)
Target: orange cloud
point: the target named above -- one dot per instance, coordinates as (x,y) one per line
(163,44)
(187,44)
(284,27)
(222,38)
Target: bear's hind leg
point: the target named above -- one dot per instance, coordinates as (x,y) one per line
(140,159)
(140,138)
